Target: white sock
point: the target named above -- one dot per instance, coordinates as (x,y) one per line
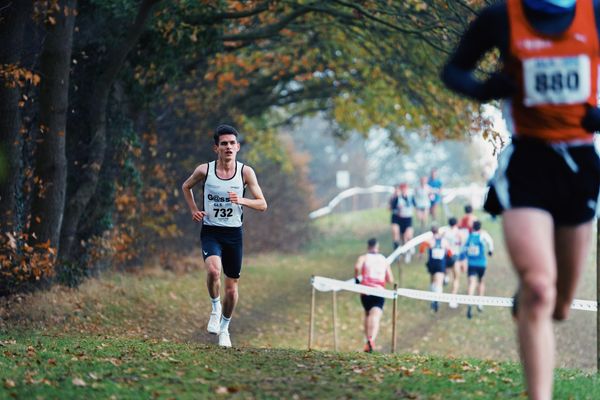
(225,323)
(216,304)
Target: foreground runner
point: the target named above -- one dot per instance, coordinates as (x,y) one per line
(376,272)
(223,181)
(546,186)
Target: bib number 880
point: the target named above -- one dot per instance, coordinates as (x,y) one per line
(556,82)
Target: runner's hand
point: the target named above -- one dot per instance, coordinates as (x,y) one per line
(498,86)
(591,121)
(235,199)
(198,215)
(490,253)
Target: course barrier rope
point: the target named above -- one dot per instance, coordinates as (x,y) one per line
(473,192)
(324,284)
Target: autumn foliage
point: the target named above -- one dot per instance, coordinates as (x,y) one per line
(148,80)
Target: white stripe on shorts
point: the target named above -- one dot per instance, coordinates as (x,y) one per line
(500,181)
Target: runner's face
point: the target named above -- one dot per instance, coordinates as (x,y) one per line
(227,148)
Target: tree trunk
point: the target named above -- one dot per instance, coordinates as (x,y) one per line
(13,16)
(50,174)
(97,111)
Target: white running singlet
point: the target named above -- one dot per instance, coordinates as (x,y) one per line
(374,270)
(220,211)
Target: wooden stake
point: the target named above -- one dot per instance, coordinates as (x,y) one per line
(399,280)
(394,309)
(335,336)
(598,295)
(312,318)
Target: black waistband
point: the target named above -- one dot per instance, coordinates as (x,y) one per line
(221,229)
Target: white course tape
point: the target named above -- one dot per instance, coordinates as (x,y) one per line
(412,243)
(323,284)
(473,192)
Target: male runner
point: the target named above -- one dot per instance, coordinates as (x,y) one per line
(395,219)
(477,245)
(224,181)
(422,201)
(466,222)
(376,272)
(456,241)
(547,182)
(435,185)
(405,206)
(438,251)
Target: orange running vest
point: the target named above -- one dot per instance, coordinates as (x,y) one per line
(557,75)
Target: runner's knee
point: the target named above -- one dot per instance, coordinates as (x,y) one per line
(213,270)
(538,293)
(231,291)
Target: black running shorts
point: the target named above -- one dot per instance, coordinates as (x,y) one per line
(479,272)
(562,180)
(405,223)
(226,243)
(369,301)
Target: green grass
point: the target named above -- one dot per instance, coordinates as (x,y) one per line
(69,367)
(143,335)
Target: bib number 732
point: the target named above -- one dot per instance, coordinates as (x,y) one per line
(556,80)
(223,212)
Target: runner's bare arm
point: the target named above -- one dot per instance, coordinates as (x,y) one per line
(389,275)
(197,176)
(358,267)
(258,203)
(488,241)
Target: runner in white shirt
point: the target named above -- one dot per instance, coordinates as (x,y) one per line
(455,240)
(375,272)
(224,182)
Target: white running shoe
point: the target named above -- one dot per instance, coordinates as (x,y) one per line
(224,339)
(214,322)
(453,304)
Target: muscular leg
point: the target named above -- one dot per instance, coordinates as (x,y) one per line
(408,234)
(472,285)
(396,234)
(571,247)
(231,296)
(455,277)
(438,280)
(481,288)
(529,236)
(373,322)
(213,275)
